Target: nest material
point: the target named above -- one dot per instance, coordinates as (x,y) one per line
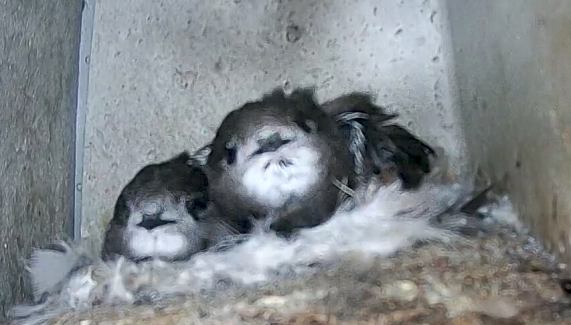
(500,278)
(383,263)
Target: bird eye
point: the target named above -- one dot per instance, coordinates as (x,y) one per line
(231,150)
(196,207)
(230,155)
(196,204)
(308,126)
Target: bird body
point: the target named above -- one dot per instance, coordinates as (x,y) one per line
(158,214)
(291,161)
(275,159)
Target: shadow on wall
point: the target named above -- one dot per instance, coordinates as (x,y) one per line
(514,76)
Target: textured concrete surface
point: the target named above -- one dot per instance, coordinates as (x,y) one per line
(38,59)
(513,69)
(164,73)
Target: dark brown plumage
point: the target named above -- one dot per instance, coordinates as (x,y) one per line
(379,145)
(178,193)
(291,120)
(356,141)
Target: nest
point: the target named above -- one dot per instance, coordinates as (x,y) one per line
(385,262)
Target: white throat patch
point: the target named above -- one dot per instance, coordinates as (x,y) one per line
(272,178)
(164,241)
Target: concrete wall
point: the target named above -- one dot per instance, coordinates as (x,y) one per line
(38,59)
(513,71)
(164,73)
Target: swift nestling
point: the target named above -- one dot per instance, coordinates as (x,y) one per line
(278,159)
(159,213)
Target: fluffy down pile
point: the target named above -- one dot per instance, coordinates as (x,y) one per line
(385,220)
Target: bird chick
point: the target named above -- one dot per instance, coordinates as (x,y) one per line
(382,150)
(279,160)
(159,213)
(291,161)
